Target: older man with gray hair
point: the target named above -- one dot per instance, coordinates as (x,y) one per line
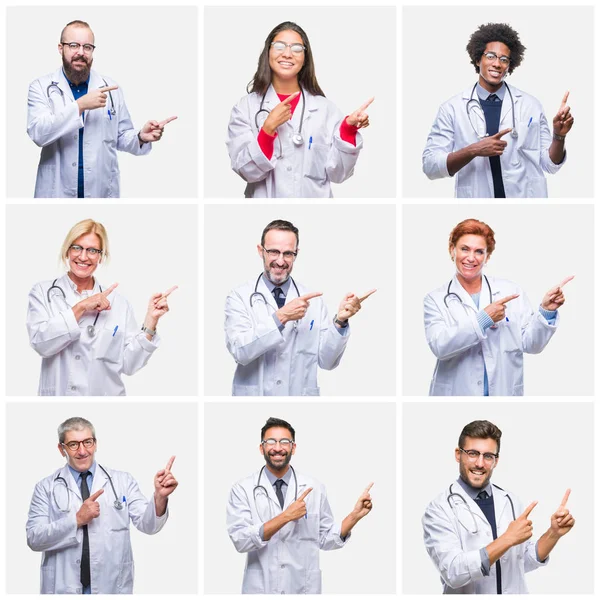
(79,518)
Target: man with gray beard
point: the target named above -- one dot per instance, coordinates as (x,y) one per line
(79,119)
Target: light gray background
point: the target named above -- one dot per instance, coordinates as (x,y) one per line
(352,250)
(144,261)
(354,51)
(436,67)
(131,437)
(345,447)
(150,51)
(540,457)
(536,247)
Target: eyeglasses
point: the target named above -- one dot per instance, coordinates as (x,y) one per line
(473,455)
(74,47)
(505,60)
(75,249)
(283,442)
(281,46)
(74,446)
(287,255)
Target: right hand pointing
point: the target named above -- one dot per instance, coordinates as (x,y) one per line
(99,301)
(491,145)
(296,309)
(90,509)
(521,529)
(497,310)
(95,98)
(279,115)
(297,509)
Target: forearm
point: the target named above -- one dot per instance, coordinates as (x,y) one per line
(79,310)
(459,159)
(546,544)
(498,548)
(160,504)
(557,151)
(347,524)
(270,528)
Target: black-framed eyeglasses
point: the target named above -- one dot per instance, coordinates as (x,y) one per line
(284,442)
(75,249)
(287,255)
(74,46)
(505,60)
(281,46)
(473,455)
(74,446)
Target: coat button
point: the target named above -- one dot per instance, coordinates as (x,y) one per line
(289,168)
(480,353)
(73,388)
(77,357)
(77,561)
(283,566)
(479,383)
(278,382)
(74,165)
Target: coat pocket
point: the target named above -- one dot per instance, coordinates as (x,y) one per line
(316,162)
(48,580)
(108,346)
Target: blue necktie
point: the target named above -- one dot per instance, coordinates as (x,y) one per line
(278,485)
(279,297)
(493,98)
(86,577)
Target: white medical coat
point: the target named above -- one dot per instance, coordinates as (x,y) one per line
(462,349)
(288,563)
(293,171)
(54,127)
(75,363)
(56,533)
(454,550)
(523,161)
(279,363)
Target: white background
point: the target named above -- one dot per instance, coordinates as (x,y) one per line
(340,252)
(540,458)
(354,52)
(135,438)
(158,78)
(536,247)
(146,258)
(436,66)
(344,447)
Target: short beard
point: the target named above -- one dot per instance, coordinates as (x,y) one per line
(284,464)
(76,77)
(464,475)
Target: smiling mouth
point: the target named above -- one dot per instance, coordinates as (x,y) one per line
(285,63)
(477,472)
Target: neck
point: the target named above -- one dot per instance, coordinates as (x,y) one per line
(489,87)
(279,473)
(472,286)
(82,284)
(285,87)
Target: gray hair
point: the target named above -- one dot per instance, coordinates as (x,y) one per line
(74,424)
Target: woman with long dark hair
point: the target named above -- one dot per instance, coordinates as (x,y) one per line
(285,139)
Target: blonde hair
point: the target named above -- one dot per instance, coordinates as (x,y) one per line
(83,228)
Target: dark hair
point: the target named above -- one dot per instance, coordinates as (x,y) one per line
(473,227)
(480,430)
(76,23)
(281,226)
(496,32)
(306,77)
(275,422)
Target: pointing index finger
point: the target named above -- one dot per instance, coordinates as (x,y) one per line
(110,289)
(169,464)
(96,494)
(169,291)
(304,494)
(566,280)
(565,98)
(502,133)
(566,497)
(311,295)
(363,298)
(108,88)
(366,104)
(163,123)
(508,298)
(368,488)
(290,98)
(529,509)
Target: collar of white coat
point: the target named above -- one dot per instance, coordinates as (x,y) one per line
(484,293)
(517,95)
(501,505)
(303,483)
(272,100)
(262,287)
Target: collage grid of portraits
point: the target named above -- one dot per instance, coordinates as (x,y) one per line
(184,222)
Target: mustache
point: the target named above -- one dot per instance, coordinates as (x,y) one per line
(79,59)
(275,265)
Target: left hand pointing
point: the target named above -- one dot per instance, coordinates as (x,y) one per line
(152,131)
(364,504)
(164,481)
(157,307)
(351,304)
(562,521)
(554,297)
(359,118)
(563,121)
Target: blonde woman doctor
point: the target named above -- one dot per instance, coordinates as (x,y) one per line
(86,332)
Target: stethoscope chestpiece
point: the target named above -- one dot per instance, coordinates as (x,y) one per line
(118,505)
(91,330)
(297,139)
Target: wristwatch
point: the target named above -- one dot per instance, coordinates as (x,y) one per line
(342,324)
(150,332)
(558,138)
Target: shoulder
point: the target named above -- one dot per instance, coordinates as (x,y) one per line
(49,480)
(248,100)
(47,78)
(116,474)
(455,101)
(439,290)
(243,288)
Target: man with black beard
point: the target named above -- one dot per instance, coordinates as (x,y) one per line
(281,519)
(476,533)
(277,330)
(79,119)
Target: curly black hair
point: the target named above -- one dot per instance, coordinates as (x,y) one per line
(496,32)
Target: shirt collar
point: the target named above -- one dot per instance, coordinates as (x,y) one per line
(285,286)
(85,293)
(77,474)
(272,478)
(473,492)
(483,93)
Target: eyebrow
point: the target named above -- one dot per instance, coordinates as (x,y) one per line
(476,248)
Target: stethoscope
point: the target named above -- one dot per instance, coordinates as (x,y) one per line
(91,329)
(474,103)
(266,494)
(297,138)
(117,503)
(453,504)
(450,294)
(54,84)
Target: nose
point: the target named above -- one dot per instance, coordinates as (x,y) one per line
(479,461)
(287,51)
